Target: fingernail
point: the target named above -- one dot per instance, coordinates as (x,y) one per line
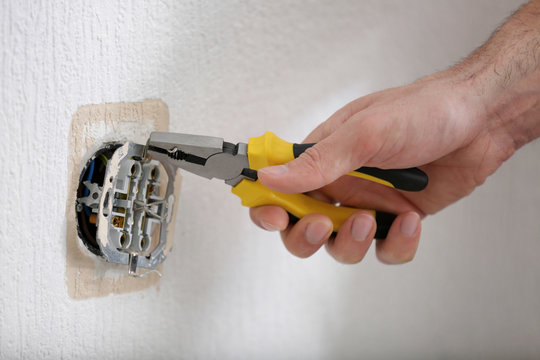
(361,227)
(278,170)
(409,224)
(316,232)
(268,226)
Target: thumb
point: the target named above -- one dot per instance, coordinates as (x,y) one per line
(316,167)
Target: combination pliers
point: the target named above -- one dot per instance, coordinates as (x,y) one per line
(237,164)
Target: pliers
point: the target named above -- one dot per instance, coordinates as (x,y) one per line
(211,157)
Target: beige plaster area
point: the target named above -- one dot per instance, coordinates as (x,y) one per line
(92,125)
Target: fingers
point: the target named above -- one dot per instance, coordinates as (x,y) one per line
(304,238)
(342,151)
(271,218)
(353,239)
(402,241)
(311,232)
(339,118)
(343,144)
(307,235)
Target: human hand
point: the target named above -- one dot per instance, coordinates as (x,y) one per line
(458,126)
(438,124)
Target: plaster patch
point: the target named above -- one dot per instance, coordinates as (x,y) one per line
(92,125)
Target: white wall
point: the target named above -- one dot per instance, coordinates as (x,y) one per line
(236,69)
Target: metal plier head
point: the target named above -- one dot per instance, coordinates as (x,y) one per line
(206,156)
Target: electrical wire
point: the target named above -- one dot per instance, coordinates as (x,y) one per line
(86,190)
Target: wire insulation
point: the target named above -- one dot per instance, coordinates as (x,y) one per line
(86,190)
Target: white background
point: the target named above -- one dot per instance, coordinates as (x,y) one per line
(230,290)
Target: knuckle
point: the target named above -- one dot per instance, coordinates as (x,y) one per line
(253,215)
(340,117)
(257,214)
(295,247)
(313,160)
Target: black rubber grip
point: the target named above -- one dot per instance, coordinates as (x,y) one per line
(412,179)
(298,149)
(384,222)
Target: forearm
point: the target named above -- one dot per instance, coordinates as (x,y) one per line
(505,77)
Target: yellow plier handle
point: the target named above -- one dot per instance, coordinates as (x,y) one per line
(269,150)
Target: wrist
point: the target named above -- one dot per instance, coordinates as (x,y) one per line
(503,78)
(509,107)
(509,115)
(515,110)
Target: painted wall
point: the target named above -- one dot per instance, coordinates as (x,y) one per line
(235,69)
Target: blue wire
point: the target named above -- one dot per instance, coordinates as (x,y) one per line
(86,190)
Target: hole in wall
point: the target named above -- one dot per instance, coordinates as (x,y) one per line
(93,171)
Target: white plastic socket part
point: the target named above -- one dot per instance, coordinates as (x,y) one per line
(124,207)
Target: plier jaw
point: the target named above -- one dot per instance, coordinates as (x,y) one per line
(206,156)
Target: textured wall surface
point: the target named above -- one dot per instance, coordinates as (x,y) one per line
(236,69)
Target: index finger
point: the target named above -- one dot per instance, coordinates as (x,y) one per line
(337,119)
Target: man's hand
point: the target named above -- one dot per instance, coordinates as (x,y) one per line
(458,126)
